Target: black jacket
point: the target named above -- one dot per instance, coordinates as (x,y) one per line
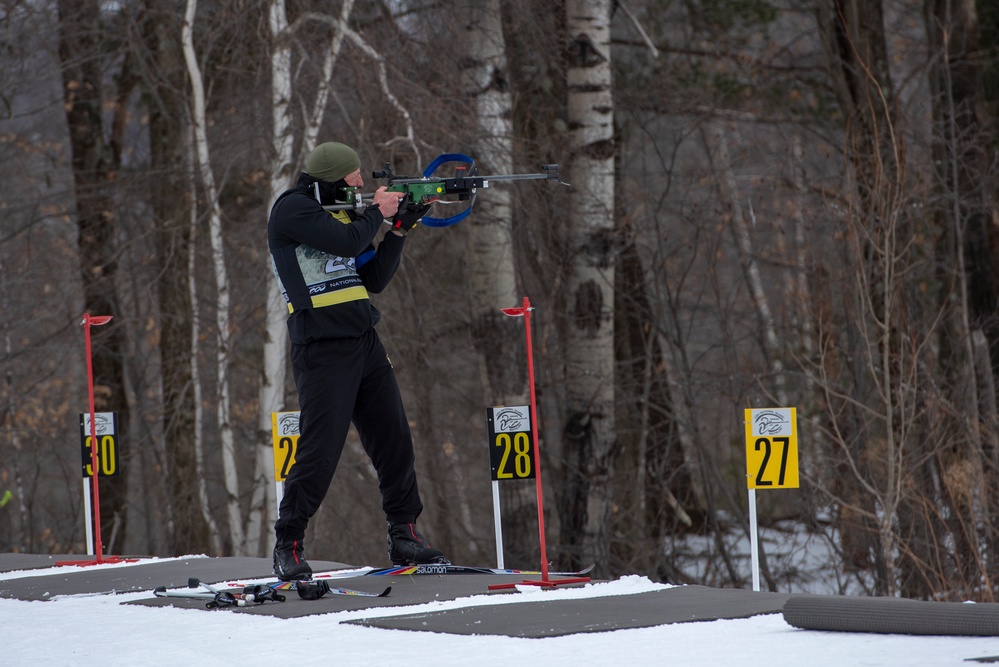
(327,265)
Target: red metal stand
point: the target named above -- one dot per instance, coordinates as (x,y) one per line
(96,321)
(525,312)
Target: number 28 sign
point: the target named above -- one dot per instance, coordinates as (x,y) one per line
(511,450)
(772,448)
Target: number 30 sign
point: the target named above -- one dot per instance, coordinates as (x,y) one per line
(772,448)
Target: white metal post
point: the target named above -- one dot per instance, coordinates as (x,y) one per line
(498,522)
(88,515)
(754,543)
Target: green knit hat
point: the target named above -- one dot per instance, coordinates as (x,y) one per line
(331,161)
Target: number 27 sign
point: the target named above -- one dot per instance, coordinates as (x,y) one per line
(772,448)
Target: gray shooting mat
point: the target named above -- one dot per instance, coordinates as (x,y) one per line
(565,617)
(145,575)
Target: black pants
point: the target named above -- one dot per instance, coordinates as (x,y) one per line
(339,382)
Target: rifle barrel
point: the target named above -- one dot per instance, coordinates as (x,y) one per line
(519,177)
(470,181)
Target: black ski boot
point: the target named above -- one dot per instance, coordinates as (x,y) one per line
(289,561)
(407,547)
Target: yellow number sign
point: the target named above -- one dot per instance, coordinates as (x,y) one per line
(772,448)
(108,458)
(284,434)
(511,452)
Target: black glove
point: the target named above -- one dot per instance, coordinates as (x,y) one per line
(408,217)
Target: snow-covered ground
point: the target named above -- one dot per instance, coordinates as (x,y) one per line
(98,630)
(800,561)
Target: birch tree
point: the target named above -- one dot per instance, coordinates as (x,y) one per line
(493,283)
(201,477)
(223,408)
(485,83)
(728,190)
(282,174)
(589,433)
(274,371)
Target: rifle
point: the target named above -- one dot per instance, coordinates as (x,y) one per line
(428,189)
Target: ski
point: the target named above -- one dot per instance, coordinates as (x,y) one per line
(257,593)
(319,584)
(438,569)
(441,569)
(347,591)
(212,600)
(215,597)
(310,589)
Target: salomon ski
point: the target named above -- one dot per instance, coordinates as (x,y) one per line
(399,570)
(435,568)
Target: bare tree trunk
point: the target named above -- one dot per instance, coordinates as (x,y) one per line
(263,506)
(589,435)
(798,294)
(223,408)
(728,190)
(95,161)
(855,37)
(967,243)
(666,502)
(19,524)
(492,276)
(188,532)
(990,416)
(201,476)
(314,119)
(499,340)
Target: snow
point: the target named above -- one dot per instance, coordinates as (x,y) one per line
(85,630)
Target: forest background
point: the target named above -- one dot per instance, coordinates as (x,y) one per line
(772,204)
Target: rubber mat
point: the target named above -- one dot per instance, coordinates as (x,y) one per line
(565,617)
(892,616)
(142,576)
